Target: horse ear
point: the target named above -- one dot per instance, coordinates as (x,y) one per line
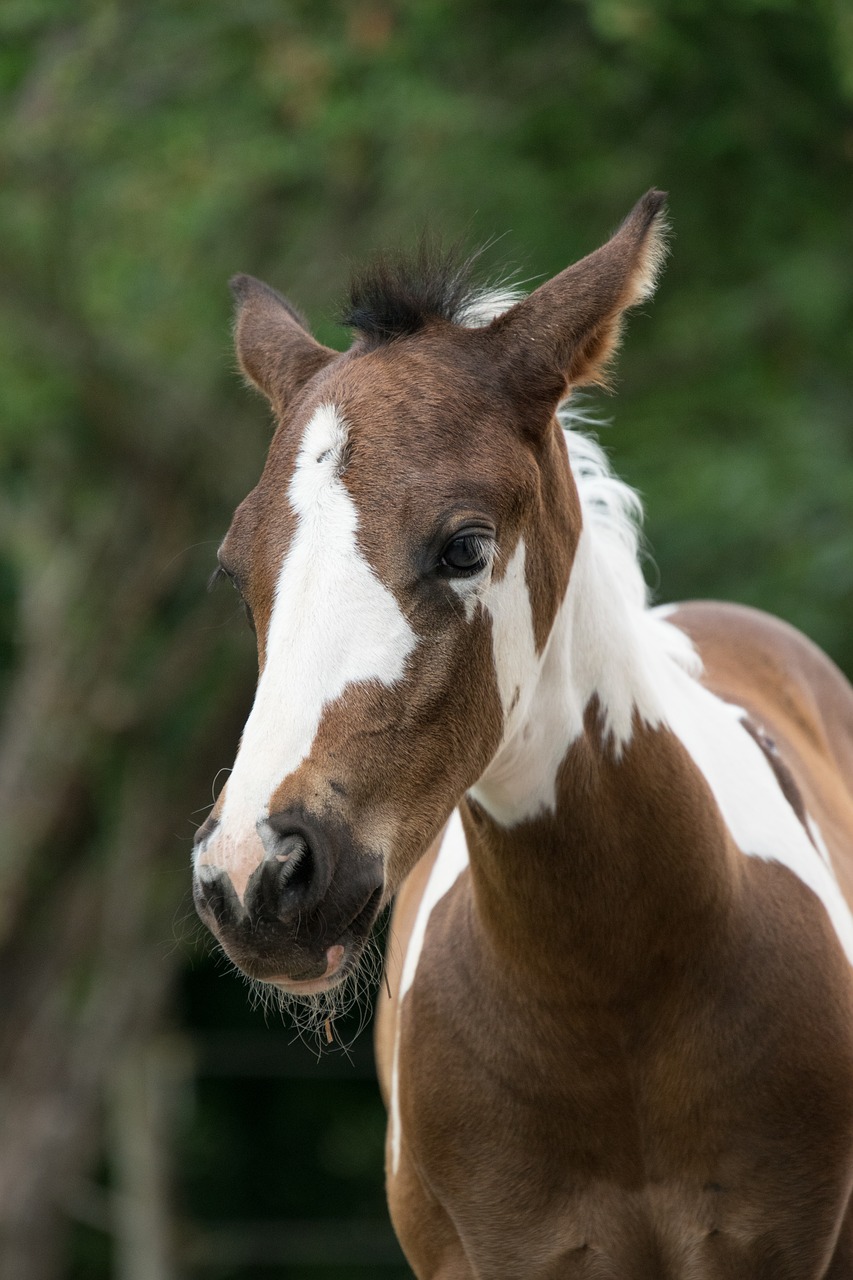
(566,332)
(276,352)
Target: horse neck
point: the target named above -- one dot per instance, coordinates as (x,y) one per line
(595,842)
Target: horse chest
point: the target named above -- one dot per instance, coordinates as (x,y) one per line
(550,1186)
(563,1154)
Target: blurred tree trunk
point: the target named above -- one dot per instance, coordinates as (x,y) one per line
(116,716)
(123,692)
(84,977)
(143,1106)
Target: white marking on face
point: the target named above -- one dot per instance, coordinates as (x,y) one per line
(451,862)
(333,624)
(471,590)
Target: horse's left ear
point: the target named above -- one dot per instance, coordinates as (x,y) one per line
(565,333)
(276,352)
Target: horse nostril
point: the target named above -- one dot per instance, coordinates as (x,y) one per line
(297,862)
(287,872)
(214,896)
(298,866)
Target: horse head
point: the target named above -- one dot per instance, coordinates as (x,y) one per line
(403,559)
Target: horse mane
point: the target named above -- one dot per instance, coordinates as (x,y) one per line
(613,515)
(612,510)
(399,293)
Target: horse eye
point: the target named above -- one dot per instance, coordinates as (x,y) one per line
(466,555)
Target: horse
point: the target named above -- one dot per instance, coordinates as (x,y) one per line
(619,1038)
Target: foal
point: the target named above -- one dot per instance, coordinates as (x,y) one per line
(619,1042)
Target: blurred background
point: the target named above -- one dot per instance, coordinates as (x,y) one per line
(154,1126)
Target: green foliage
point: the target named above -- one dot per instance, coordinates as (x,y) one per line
(149,151)
(152,150)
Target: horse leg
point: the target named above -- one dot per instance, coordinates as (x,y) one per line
(841,1266)
(424,1229)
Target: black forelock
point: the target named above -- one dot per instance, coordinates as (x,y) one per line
(399,293)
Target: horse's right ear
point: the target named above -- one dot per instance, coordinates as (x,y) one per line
(276,352)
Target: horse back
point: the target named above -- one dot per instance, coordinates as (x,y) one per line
(799,704)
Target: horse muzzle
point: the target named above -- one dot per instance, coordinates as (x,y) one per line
(305,911)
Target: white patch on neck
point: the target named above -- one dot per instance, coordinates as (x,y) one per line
(333,624)
(606,643)
(598,647)
(594,648)
(451,862)
(540,719)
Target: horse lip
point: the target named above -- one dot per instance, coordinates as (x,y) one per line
(314,988)
(335,965)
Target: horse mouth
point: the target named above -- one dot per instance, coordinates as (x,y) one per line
(335,964)
(341,958)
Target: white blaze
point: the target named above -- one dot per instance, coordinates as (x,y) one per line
(333,624)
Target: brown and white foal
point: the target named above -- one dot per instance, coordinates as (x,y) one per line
(620,1038)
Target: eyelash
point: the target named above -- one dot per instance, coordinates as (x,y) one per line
(221,572)
(481,551)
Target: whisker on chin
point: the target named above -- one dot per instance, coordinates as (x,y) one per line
(316,1016)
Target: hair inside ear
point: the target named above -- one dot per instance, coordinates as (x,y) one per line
(276,352)
(567,331)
